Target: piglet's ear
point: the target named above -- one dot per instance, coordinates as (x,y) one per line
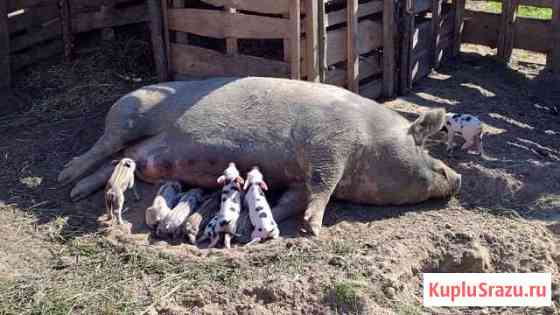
(114,162)
(264,186)
(221,180)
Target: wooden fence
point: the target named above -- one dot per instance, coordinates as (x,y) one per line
(346,43)
(430,35)
(506,31)
(31,30)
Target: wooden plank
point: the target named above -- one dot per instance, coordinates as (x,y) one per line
(157,38)
(420,65)
(481,28)
(405,82)
(369,66)
(506,35)
(553,57)
(364,9)
(352,55)
(5,72)
(312,43)
(533,3)
(530,34)
(231,42)
(459,6)
(322,38)
(180,37)
(272,7)
(48,32)
(372,89)
(66,21)
(421,37)
(205,62)
(422,5)
(295,41)
(28,57)
(80,6)
(437,7)
(370,37)
(165,30)
(84,22)
(219,24)
(14,5)
(286,43)
(389,66)
(33,17)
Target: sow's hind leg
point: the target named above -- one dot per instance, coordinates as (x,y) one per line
(323,172)
(92,183)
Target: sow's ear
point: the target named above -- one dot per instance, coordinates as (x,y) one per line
(427,124)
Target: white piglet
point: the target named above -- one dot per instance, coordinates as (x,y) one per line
(259,210)
(230,208)
(468,127)
(163,203)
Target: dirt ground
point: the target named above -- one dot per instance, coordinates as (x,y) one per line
(56,258)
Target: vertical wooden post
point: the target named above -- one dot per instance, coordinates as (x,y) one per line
(5,74)
(322,37)
(505,38)
(553,57)
(164,9)
(406,46)
(158,42)
(352,55)
(231,43)
(437,53)
(286,43)
(458,26)
(295,40)
(66,19)
(180,37)
(388,47)
(311,40)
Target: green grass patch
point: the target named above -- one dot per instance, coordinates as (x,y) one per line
(522,11)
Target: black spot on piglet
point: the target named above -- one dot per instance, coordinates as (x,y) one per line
(259,209)
(262,215)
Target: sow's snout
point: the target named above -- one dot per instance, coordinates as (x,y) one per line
(446,182)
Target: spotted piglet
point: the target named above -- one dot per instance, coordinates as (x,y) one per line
(468,127)
(259,210)
(230,207)
(163,202)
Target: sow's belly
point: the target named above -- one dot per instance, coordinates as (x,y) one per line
(199,164)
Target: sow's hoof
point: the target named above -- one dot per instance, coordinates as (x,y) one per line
(310,229)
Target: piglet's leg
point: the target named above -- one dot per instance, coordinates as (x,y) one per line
(214,241)
(227,240)
(91,183)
